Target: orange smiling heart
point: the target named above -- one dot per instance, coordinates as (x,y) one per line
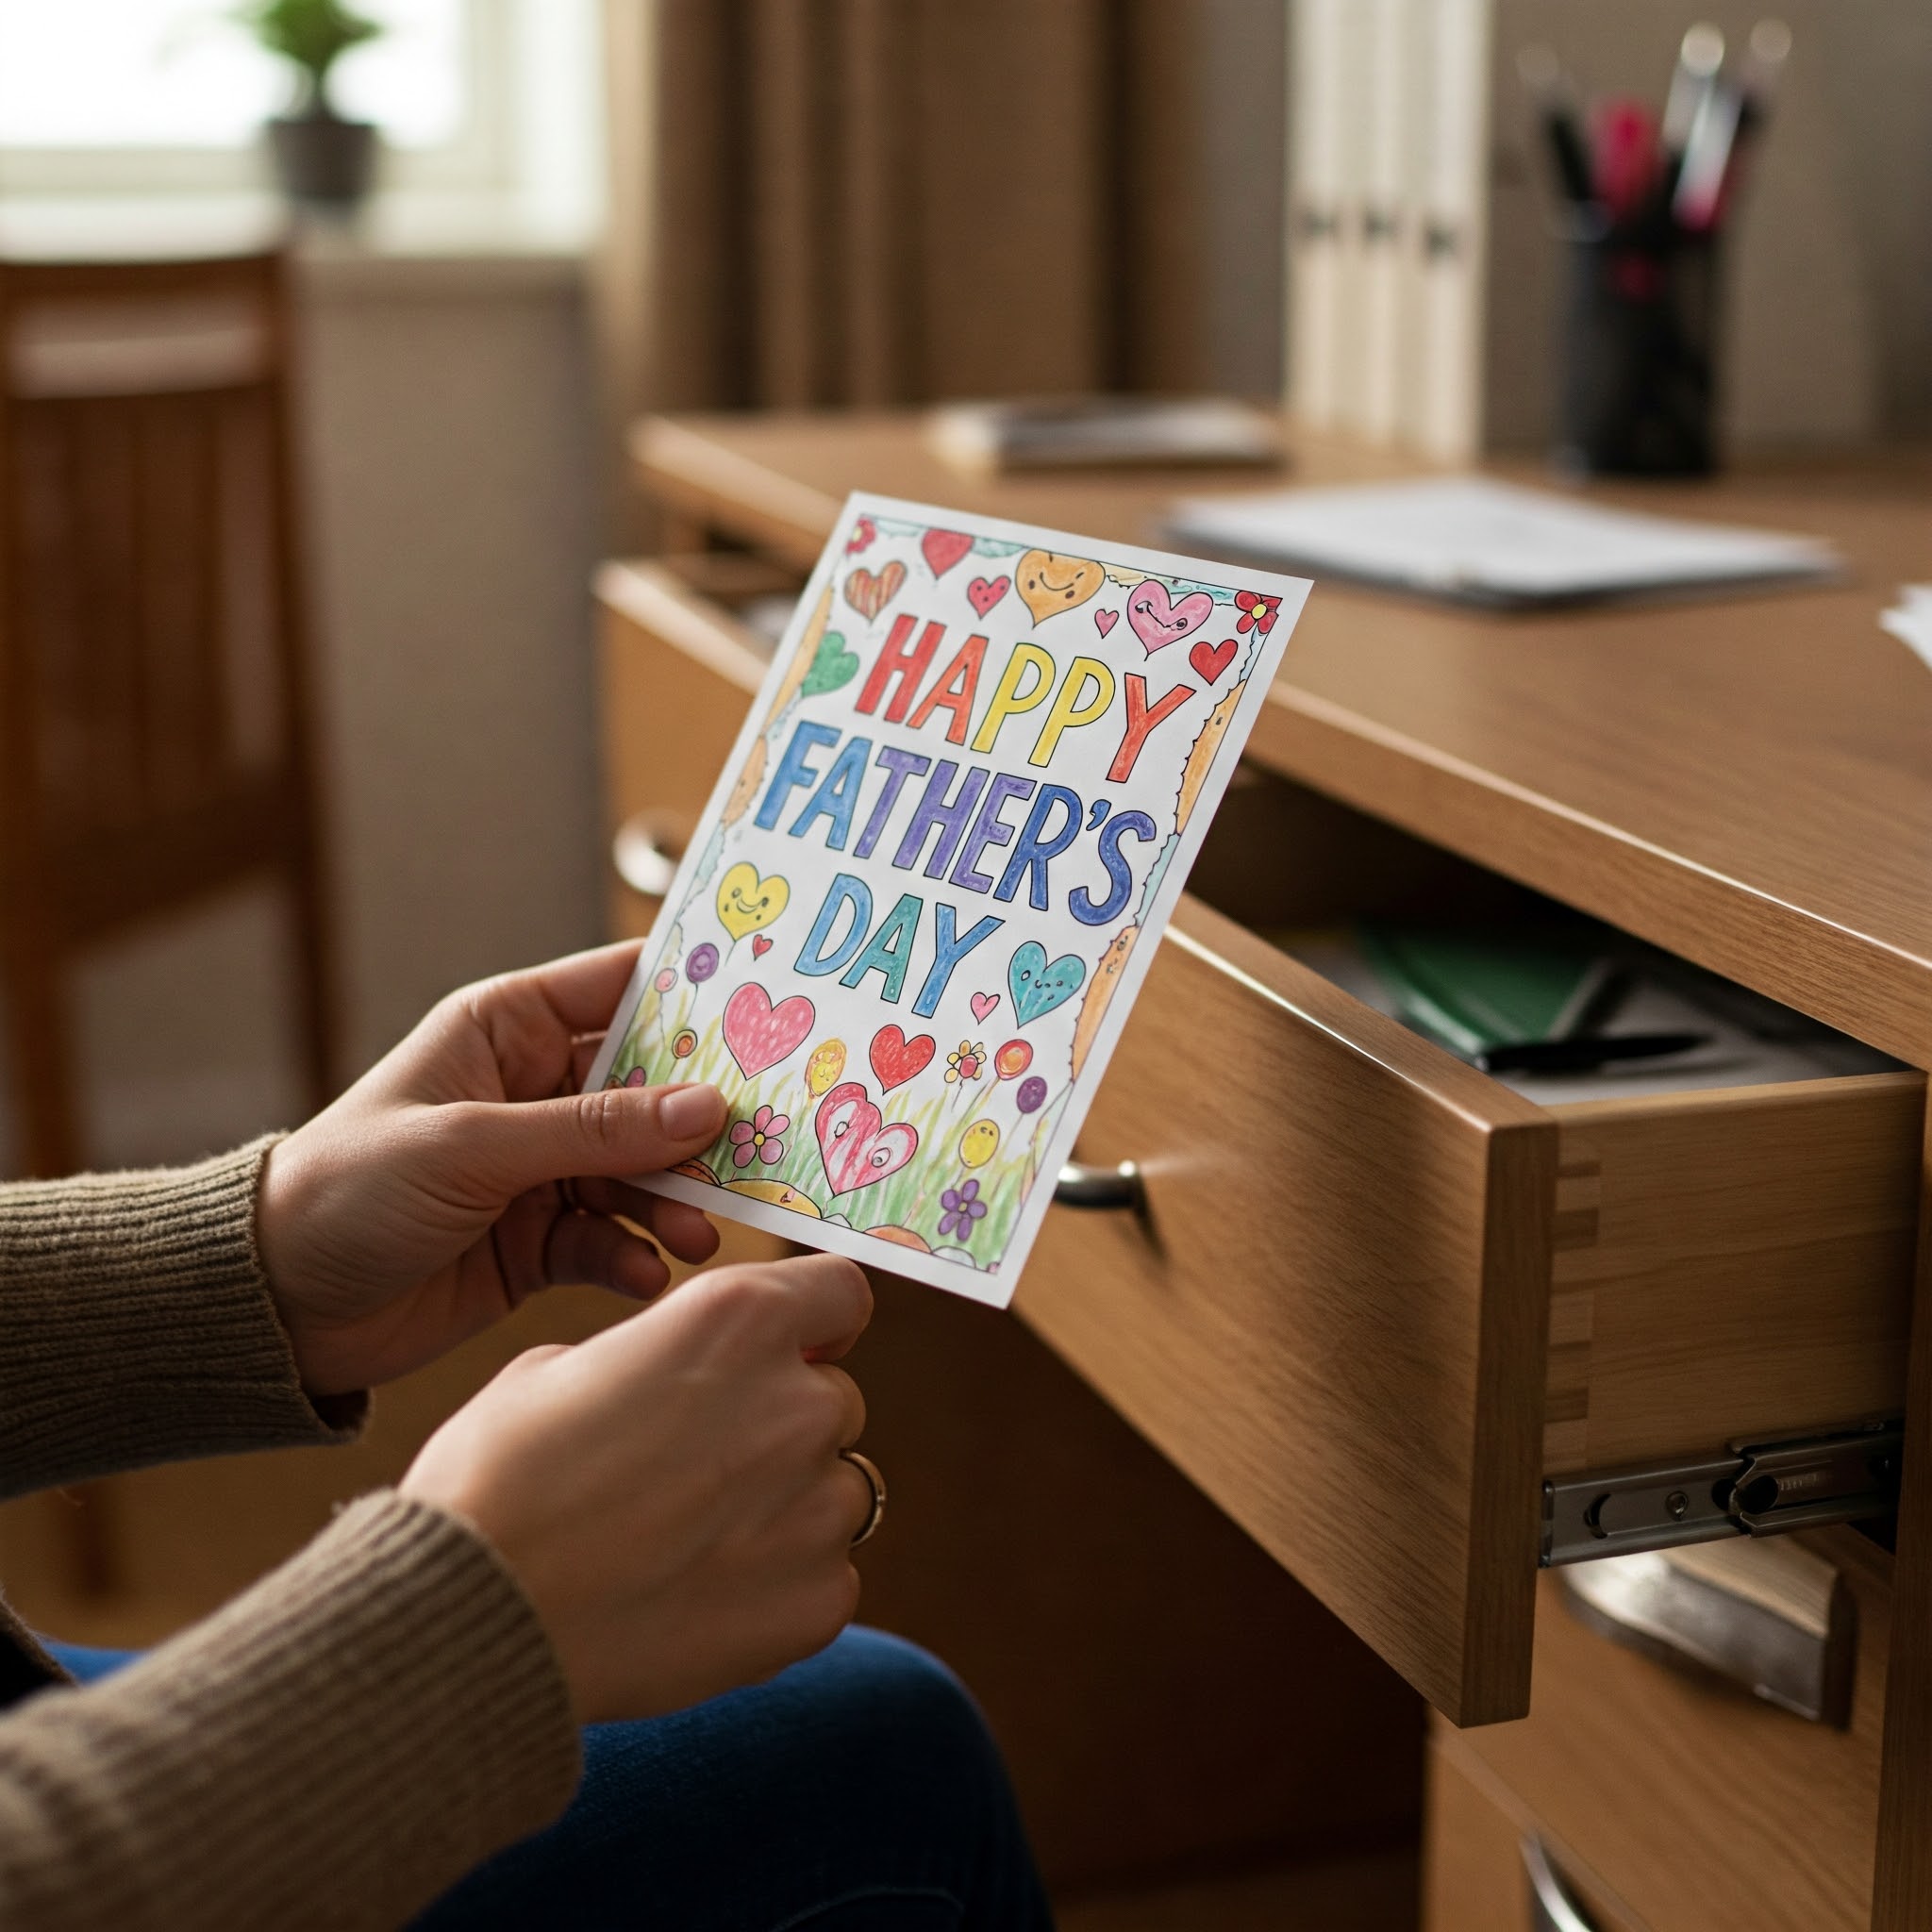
(1049,583)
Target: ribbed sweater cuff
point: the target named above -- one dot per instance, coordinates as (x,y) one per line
(136,1325)
(334,1749)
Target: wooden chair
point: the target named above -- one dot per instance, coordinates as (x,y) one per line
(154,708)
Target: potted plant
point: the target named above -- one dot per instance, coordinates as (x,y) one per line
(322,159)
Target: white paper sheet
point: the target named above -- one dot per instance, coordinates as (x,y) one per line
(1472,538)
(929,883)
(1911,621)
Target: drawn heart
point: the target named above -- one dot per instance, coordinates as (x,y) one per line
(895,1058)
(1211,661)
(1158,621)
(854,1143)
(984,592)
(760,945)
(833,667)
(864,531)
(983,1003)
(1050,582)
(870,592)
(942,549)
(758,1034)
(747,904)
(1038,987)
(1104,621)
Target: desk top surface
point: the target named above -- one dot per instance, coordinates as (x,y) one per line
(1746,779)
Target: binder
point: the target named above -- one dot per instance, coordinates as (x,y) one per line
(1316,212)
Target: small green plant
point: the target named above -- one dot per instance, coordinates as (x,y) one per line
(310,35)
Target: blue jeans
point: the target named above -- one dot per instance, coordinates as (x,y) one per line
(857,1792)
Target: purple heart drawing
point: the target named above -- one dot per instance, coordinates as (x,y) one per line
(1158,621)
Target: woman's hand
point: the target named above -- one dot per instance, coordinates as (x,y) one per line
(464,1172)
(668,1493)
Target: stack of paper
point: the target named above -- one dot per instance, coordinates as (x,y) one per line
(1474,540)
(1910,622)
(1116,431)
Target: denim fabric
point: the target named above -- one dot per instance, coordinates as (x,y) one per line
(857,1792)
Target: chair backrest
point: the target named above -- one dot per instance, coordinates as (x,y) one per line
(150,614)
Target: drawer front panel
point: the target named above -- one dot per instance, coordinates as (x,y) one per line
(1706,1810)
(1332,1313)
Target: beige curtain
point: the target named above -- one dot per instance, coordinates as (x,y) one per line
(870,201)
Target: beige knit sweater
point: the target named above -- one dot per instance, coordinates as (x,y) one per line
(338,1746)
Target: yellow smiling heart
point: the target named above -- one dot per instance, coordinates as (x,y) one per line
(747,904)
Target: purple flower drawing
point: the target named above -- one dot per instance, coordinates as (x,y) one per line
(759,1139)
(702,963)
(962,1207)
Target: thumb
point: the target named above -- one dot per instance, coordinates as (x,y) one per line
(612,1131)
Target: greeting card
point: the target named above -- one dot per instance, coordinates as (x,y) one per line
(926,890)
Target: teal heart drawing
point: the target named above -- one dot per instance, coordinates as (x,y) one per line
(1036,987)
(832,667)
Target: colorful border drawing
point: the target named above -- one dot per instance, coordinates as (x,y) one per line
(928,884)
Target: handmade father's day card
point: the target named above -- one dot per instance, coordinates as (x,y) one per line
(926,891)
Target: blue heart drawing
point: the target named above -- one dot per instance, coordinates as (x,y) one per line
(1038,988)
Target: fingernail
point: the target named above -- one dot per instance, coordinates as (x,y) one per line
(688,1112)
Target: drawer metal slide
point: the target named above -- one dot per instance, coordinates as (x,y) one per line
(1761,1488)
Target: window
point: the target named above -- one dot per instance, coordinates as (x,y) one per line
(133,97)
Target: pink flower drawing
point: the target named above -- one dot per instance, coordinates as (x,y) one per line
(759,1139)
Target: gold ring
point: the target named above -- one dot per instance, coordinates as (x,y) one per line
(869,1470)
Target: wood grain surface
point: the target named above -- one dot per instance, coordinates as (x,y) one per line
(1746,779)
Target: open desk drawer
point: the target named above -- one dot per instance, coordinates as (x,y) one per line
(1372,1297)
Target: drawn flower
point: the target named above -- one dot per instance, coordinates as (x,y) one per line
(1256,610)
(684,1044)
(702,963)
(760,1138)
(1032,1095)
(637,1077)
(962,1207)
(666,979)
(1012,1059)
(967,1062)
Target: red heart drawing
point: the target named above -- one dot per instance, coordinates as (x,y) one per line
(869,591)
(758,1034)
(1211,661)
(854,1143)
(983,1003)
(760,945)
(984,592)
(1159,620)
(864,531)
(1104,621)
(942,549)
(895,1058)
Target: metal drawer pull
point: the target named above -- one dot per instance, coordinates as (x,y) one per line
(645,853)
(1551,1907)
(1773,1617)
(1080,1186)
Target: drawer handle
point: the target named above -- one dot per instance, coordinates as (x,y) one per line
(1551,1907)
(1772,1618)
(1080,1186)
(645,853)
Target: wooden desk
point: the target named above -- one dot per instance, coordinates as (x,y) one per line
(1747,782)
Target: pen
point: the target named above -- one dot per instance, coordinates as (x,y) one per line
(1699,60)
(1584,1056)
(1542,77)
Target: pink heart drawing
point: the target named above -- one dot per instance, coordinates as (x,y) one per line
(1104,621)
(942,549)
(1158,621)
(758,1034)
(983,1003)
(869,591)
(984,592)
(1211,661)
(760,945)
(854,1143)
(864,531)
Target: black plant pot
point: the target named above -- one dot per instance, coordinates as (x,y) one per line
(322,160)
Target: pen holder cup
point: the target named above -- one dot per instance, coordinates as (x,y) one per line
(1638,343)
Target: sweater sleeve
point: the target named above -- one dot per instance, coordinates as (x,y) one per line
(136,1326)
(333,1750)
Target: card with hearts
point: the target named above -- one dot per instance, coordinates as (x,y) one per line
(925,895)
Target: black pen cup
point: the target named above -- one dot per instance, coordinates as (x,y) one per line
(1639,348)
